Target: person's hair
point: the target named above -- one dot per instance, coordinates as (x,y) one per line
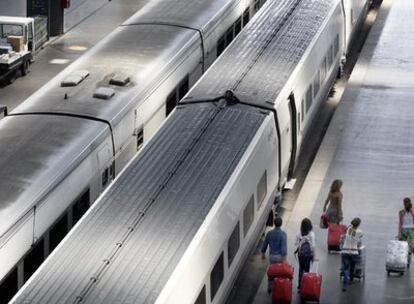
(305,226)
(336,186)
(356,222)
(278,221)
(407,204)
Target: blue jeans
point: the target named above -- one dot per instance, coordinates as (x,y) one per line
(304,266)
(348,266)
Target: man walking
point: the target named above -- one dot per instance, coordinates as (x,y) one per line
(277,241)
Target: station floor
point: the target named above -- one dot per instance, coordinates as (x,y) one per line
(370,146)
(63,50)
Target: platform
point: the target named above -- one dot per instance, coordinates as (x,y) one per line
(370,146)
(63,50)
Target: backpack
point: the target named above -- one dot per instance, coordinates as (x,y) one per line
(305,250)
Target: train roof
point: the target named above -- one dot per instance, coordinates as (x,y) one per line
(265,59)
(34,157)
(148,217)
(144,53)
(196,14)
(141,50)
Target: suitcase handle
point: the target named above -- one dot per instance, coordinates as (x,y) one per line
(314,267)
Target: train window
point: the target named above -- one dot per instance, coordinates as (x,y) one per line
(308,98)
(140,139)
(229,35)
(33,260)
(80,207)
(171,102)
(257,5)
(298,122)
(237,26)
(246,17)
(216,276)
(201,299)
(261,189)
(221,45)
(303,109)
(329,57)
(183,89)
(323,70)
(58,232)
(248,215)
(336,46)
(105,177)
(316,84)
(233,244)
(9,286)
(112,170)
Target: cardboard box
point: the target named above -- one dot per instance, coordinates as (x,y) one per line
(16,42)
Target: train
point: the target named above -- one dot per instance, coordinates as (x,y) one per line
(176,225)
(62,147)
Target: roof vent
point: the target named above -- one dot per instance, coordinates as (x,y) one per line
(119,80)
(74,79)
(104,93)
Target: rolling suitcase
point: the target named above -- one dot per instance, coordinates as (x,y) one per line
(280,270)
(310,286)
(281,291)
(359,270)
(397,256)
(334,236)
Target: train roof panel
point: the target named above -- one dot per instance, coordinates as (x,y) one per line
(181,157)
(34,157)
(197,14)
(265,58)
(145,54)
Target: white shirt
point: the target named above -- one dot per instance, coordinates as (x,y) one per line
(351,241)
(408,221)
(310,237)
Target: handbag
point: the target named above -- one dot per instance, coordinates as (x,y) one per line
(323,223)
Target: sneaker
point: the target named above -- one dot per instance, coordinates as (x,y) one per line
(269,291)
(343,289)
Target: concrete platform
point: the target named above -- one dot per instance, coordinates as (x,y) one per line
(370,146)
(62,51)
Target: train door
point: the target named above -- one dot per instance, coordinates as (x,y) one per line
(294,133)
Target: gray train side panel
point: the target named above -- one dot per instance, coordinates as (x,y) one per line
(149,255)
(258,59)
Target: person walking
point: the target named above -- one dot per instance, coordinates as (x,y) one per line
(406,226)
(333,203)
(305,247)
(350,245)
(276,240)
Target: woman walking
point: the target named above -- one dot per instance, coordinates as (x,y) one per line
(305,247)
(351,243)
(406,226)
(334,209)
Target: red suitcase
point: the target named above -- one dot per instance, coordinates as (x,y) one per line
(334,236)
(310,287)
(282,291)
(280,270)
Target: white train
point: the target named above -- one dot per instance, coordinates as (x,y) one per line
(62,147)
(177,224)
